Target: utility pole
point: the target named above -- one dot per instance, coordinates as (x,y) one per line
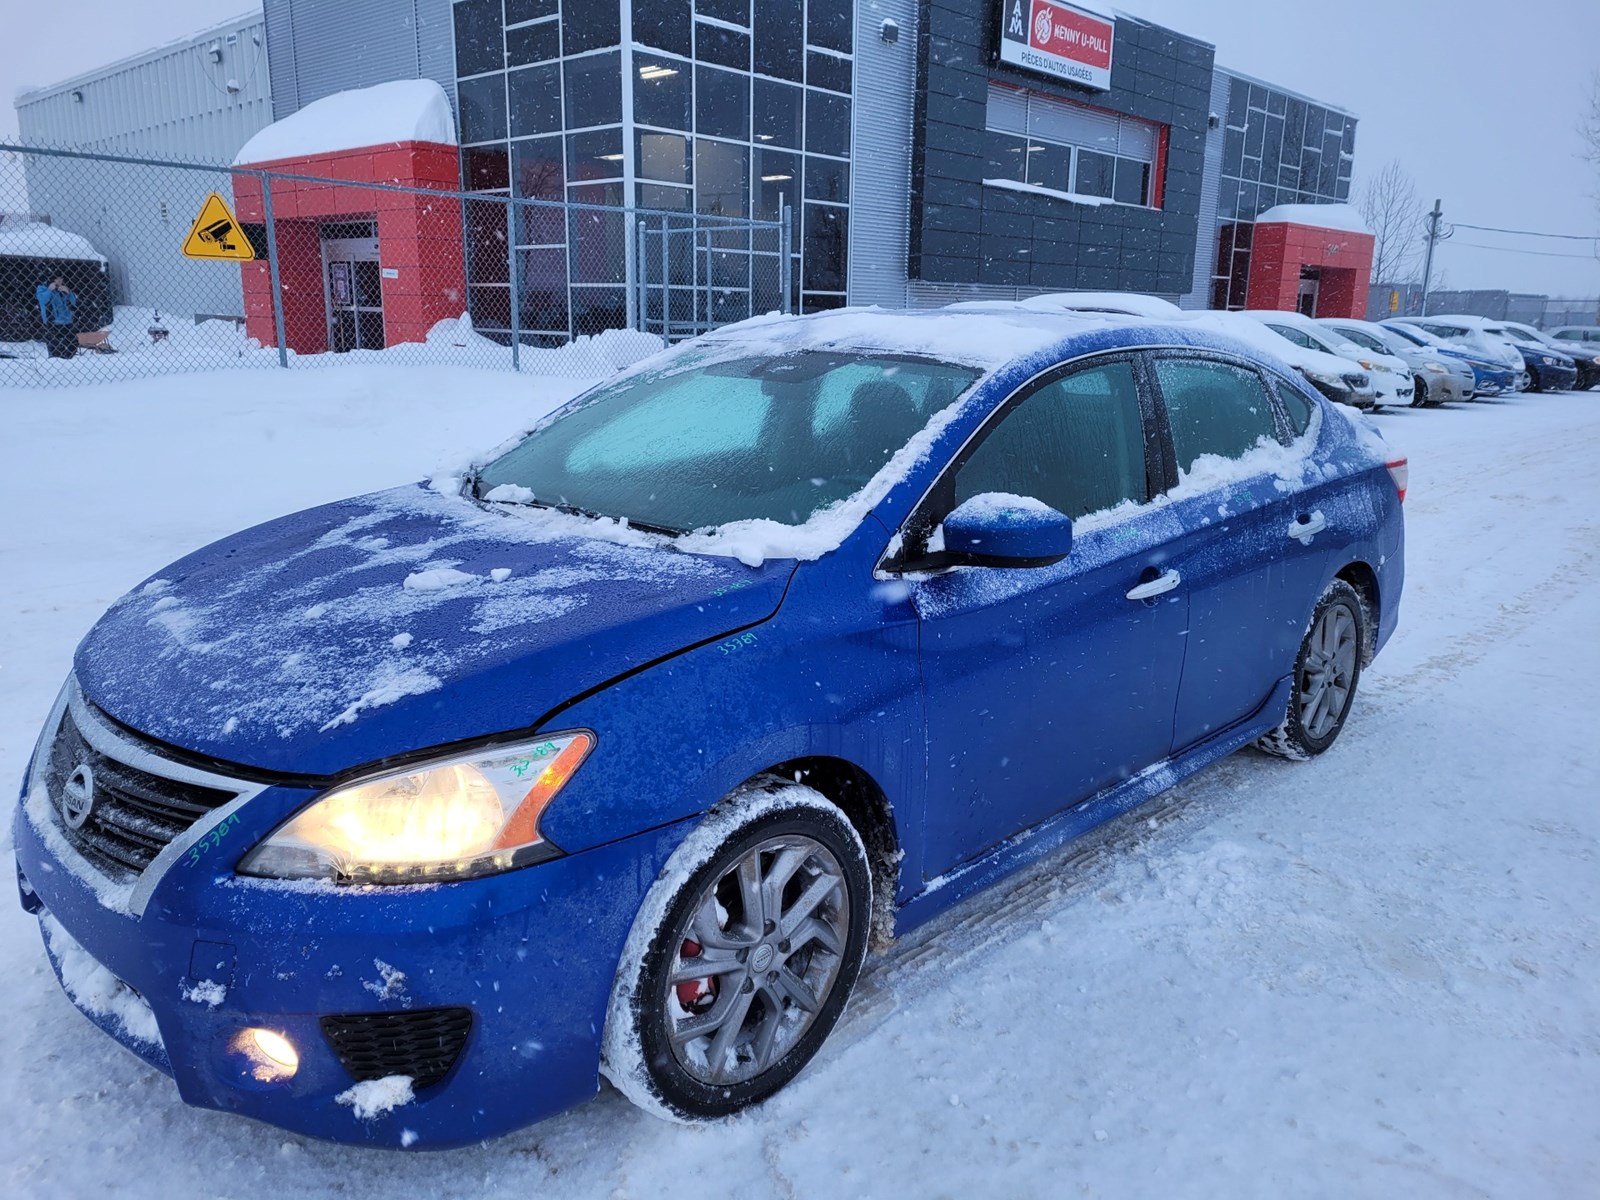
(1435,222)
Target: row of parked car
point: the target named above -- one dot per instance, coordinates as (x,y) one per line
(1406,361)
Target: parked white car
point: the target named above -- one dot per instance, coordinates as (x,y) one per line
(1336,377)
(1391,377)
(1437,379)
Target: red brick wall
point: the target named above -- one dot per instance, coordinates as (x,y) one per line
(1279,251)
(419,238)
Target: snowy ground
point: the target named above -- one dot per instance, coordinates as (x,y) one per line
(1375,975)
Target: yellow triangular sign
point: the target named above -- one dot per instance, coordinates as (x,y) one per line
(216,234)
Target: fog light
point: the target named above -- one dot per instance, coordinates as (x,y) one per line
(277,1049)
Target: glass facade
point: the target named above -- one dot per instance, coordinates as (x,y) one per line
(716,107)
(1277,148)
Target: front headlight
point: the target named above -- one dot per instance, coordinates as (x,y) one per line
(1437,368)
(456,819)
(1547,360)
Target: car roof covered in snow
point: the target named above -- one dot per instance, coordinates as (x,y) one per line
(986,334)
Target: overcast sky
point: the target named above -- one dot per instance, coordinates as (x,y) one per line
(1478,98)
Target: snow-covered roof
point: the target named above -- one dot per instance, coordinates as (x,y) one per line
(35,239)
(984,335)
(1264,341)
(1134,304)
(406,110)
(1342,217)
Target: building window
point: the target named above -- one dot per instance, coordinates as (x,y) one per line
(735,108)
(1066,147)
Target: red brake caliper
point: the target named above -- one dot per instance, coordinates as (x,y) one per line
(695,995)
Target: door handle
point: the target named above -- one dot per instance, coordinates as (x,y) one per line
(1306,528)
(1156,587)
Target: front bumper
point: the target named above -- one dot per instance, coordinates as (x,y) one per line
(531,953)
(1443,388)
(1556,377)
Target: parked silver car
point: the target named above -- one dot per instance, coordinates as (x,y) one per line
(1439,379)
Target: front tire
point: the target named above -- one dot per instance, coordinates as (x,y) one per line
(742,956)
(1326,672)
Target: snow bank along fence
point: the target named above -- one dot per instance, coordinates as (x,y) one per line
(180,266)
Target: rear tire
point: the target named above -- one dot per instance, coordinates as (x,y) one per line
(1326,672)
(742,956)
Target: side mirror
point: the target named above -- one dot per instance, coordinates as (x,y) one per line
(997,530)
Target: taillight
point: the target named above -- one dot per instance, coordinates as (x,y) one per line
(1400,472)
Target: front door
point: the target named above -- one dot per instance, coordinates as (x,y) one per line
(1044,685)
(1310,286)
(355,291)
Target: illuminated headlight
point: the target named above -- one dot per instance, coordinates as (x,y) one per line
(1547,360)
(456,819)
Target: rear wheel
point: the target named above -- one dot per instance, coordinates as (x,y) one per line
(742,957)
(1325,676)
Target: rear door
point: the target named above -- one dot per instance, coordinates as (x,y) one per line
(1250,548)
(1044,685)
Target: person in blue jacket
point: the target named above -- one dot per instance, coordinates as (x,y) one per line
(58,311)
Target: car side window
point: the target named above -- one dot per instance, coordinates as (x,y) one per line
(1295,406)
(1214,408)
(1076,443)
(1294,335)
(1363,339)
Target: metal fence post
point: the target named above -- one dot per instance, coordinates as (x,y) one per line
(272,268)
(516,285)
(641,281)
(785,261)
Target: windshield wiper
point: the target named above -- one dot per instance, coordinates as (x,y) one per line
(574,510)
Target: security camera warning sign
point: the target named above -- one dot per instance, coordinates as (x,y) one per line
(216,234)
(1057,39)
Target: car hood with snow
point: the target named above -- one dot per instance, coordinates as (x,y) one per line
(347,634)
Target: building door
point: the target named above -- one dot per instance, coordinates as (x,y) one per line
(354,285)
(1310,285)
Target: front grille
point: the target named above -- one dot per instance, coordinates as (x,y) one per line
(423,1044)
(134,816)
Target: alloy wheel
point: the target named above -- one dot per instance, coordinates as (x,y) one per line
(760,952)
(1327,674)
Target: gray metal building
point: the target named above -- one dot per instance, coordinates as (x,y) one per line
(198,100)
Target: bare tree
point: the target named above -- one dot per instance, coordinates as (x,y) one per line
(1589,124)
(1388,203)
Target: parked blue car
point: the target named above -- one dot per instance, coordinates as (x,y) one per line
(403,819)
(1492,377)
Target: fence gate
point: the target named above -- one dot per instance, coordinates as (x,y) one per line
(693,273)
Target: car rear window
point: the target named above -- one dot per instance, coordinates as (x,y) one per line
(1214,408)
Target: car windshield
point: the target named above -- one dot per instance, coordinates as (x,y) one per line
(701,444)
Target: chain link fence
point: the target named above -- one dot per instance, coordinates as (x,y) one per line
(115,267)
(1387,300)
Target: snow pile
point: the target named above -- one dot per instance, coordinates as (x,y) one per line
(375,1098)
(590,356)
(96,990)
(35,239)
(1342,217)
(406,110)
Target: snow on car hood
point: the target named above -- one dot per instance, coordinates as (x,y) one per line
(396,621)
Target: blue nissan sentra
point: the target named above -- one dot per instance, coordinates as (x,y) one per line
(405,819)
